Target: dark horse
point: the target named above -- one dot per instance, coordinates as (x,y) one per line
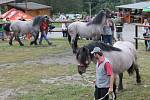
(24,27)
(122,56)
(92,29)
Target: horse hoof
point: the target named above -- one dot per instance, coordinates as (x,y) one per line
(21,44)
(49,43)
(120,88)
(35,43)
(31,43)
(10,44)
(74,52)
(138,81)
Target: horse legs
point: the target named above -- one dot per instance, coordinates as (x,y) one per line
(74,44)
(35,39)
(11,39)
(69,39)
(138,77)
(18,39)
(120,86)
(114,85)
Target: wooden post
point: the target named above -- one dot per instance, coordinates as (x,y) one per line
(136,35)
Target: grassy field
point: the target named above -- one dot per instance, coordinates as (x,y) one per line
(24,77)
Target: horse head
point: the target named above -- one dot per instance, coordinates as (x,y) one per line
(108,13)
(38,19)
(83,57)
(99,18)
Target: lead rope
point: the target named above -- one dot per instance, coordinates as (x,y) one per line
(91,82)
(113,96)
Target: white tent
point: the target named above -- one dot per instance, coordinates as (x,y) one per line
(139,5)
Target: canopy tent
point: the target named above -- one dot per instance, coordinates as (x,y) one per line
(14,14)
(139,5)
(5,1)
(146,9)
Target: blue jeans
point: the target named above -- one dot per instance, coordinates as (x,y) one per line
(43,35)
(148,45)
(107,39)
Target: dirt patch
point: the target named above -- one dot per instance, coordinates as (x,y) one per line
(64,58)
(8,65)
(76,79)
(6,93)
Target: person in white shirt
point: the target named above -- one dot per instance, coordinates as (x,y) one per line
(64,28)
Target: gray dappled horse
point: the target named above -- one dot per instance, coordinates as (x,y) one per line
(122,56)
(93,29)
(23,27)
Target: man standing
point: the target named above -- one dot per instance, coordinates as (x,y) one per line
(44,30)
(119,29)
(104,75)
(108,31)
(64,27)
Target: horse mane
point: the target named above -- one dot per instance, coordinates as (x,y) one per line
(98,19)
(102,45)
(37,20)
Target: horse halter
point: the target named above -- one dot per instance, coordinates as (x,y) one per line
(83,65)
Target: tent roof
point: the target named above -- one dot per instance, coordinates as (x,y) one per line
(5,1)
(14,14)
(30,5)
(139,5)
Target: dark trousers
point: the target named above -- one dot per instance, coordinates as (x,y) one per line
(107,39)
(65,34)
(101,92)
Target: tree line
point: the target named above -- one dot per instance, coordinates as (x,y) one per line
(81,6)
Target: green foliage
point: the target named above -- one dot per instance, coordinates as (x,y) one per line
(79,6)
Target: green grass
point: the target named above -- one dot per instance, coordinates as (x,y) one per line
(25,79)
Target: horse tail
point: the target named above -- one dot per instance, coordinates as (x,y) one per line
(69,37)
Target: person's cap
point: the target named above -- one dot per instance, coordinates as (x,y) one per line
(96,49)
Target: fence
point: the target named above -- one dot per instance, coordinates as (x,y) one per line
(136,35)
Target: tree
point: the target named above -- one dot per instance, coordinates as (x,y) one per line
(78,6)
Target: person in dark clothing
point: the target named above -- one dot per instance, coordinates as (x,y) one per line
(119,30)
